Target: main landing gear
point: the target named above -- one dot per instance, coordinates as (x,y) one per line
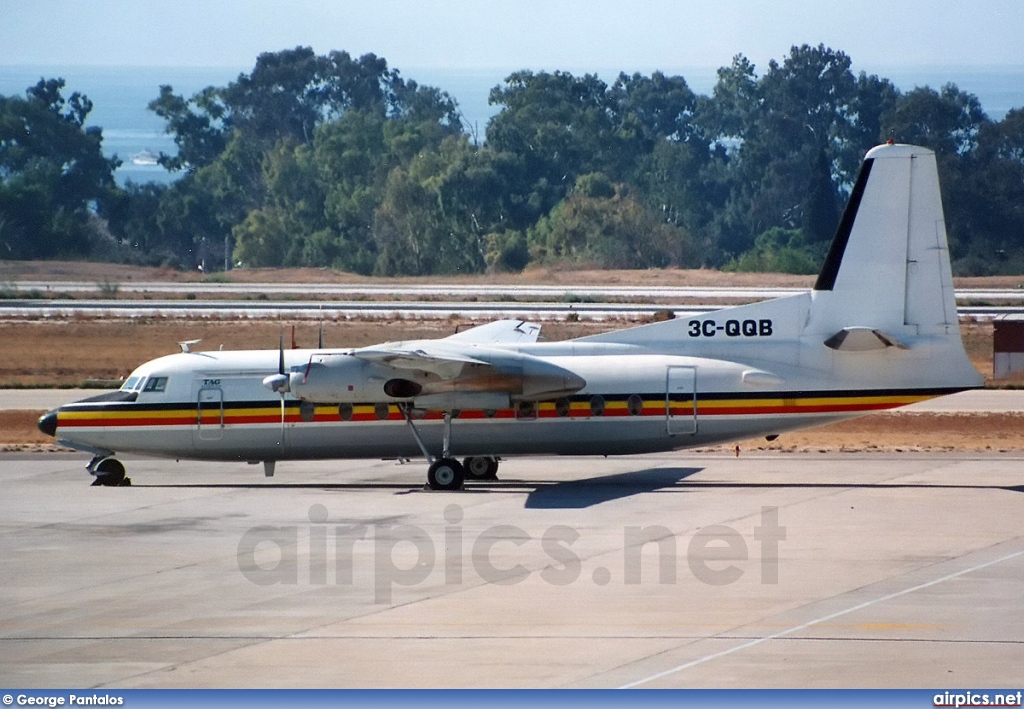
(481,467)
(109,472)
(447,473)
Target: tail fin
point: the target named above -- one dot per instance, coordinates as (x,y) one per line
(882,312)
(888,267)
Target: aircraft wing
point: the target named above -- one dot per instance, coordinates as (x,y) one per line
(422,356)
(448,356)
(454,372)
(499,332)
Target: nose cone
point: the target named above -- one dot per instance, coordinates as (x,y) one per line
(48,423)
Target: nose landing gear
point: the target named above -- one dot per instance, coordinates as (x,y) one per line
(109,472)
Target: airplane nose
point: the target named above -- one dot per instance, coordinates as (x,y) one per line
(48,423)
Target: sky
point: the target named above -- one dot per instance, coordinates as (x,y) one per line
(571,35)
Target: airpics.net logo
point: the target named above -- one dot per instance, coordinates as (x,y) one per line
(407,555)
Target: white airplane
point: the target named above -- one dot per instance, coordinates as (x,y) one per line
(879,330)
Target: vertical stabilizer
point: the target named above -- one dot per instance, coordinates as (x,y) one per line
(888,266)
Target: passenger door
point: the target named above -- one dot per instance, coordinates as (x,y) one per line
(681,400)
(209,414)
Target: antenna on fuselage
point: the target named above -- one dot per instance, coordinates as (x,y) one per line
(186,345)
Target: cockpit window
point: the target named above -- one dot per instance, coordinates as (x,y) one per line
(130,384)
(156,384)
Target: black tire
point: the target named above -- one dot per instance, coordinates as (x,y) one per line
(110,473)
(481,467)
(446,474)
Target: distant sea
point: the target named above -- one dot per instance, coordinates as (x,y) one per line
(133,133)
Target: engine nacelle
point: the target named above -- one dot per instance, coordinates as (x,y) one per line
(340,378)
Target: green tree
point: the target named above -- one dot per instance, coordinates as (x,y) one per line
(780,251)
(655,108)
(876,99)
(299,149)
(594,229)
(791,143)
(54,179)
(433,216)
(336,161)
(197,125)
(948,121)
(558,127)
(988,220)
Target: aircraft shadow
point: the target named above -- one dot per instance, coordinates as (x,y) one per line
(572,494)
(579,494)
(586,492)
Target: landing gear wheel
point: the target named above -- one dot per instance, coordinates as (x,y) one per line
(446,474)
(481,467)
(110,473)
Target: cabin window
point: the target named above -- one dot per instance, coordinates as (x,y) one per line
(635,405)
(382,411)
(156,384)
(307,410)
(597,405)
(345,412)
(562,406)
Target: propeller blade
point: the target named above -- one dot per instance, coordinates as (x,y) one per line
(278,383)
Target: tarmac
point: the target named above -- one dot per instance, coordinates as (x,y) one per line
(681,570)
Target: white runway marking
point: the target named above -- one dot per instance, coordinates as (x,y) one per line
(816,621)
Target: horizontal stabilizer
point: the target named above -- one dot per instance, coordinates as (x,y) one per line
(862,339)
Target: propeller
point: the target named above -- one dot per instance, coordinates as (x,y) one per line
(278,383)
